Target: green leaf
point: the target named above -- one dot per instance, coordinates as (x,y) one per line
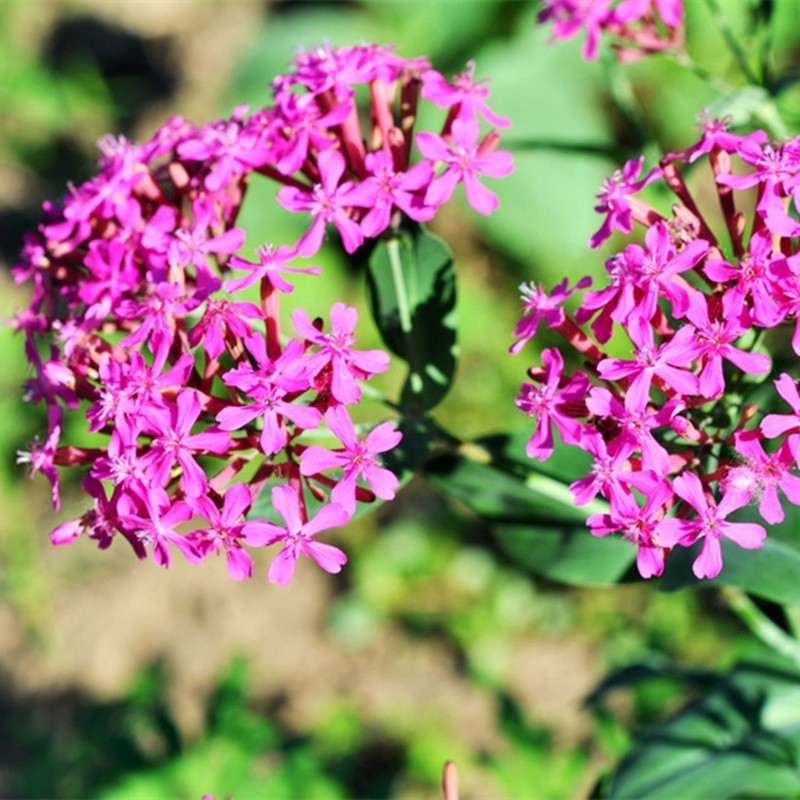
(534,518)
(412,289)
(499,496)
(741,740)
(567,554)
(418,436)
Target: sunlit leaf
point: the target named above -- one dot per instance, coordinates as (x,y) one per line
(412,287)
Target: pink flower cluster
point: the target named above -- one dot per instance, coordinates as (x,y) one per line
(636,27)
(141,320)
(676,447)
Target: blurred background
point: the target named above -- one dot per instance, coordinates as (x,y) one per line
(121,680)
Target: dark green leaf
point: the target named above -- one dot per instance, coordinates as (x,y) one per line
(412,288)
(499,496)
(418,436)
(742,740)
(567,554)
(533,515)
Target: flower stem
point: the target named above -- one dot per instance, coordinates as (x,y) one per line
(763,627)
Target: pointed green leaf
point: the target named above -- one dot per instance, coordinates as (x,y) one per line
(412,289)
(533,515)
(567,554)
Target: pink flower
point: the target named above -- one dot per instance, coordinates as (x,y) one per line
(466,94)
(272,262)
(225,529)
(754,283)
(356,459)
(153,523)
(230,151)
(710,525)
(669,361)
(42,459)
(552,403)
(538,305)
(570,16)
(296,535)
(659,267)
(174,442)
(777,424)
(193,245)
(762,475)
(275,408)
(715,340)
(635,424)
(639,525)
(714,134)
(346,364)
(464,161)
(157,314)
(222,318)
(404,190)
(611,473)
(329,201)
(615,302)
(615,201)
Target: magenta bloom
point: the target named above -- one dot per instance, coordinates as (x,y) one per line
(225,529)
(611,474)
(194,245)
(174,442)
(346,364)
(272,261)
(464,93)
(617,301)
(329,201)
(669,362)
(275,409)
(221,318)
(296,535)
(761,475)
(538,305)
(755,286)
(660,265)
(710,525)
(639,525)
(569,17)
(635,424)
(550,403)
(356,459)
(715,343)
(153,523)
(777,424)
(229,149)
(465,160)
(404,190)
(615,201)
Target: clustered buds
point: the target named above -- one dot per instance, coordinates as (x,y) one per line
(635,27)
(195,401)
(676,445)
